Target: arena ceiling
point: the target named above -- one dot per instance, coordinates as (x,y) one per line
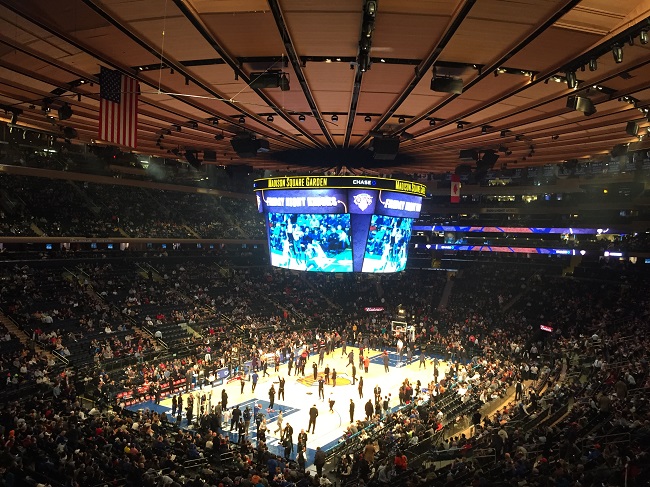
(355,69)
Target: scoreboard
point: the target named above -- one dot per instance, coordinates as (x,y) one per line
(339,223)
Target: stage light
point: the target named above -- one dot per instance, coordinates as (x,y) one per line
(367,118)
(301,118)
(459,125)
(335,118)
(593,64)
(571,80)
(484,129)
(284,82)
(617,52)
(643,36)
(432,122)
(503,133)
(269,118)
(401,120)
(242,119)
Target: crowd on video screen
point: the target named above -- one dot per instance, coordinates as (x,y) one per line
(387,244)
(313,242)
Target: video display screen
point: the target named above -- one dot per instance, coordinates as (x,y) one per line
(339,223)
(387,244)
(310,242)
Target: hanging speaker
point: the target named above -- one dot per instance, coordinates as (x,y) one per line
(632,128)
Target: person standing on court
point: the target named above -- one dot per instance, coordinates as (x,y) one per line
(242,383)
(331,403)
(319,461)
(333,377)
(370,409)
(224,399)
(354,374)
(350,358)
(315,367)
(254,379)
(313,414)
(366,363)
(278,422)
(423,358)
(351,411)
(321,389)
(384,357)
(271,397)
(281,389)
(302,440)
(327,374)
(360,387)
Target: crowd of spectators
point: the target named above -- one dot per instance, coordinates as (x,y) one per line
(101,210)
(594,359)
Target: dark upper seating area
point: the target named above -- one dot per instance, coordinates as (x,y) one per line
(85,209)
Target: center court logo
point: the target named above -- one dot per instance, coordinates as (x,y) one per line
(363,201)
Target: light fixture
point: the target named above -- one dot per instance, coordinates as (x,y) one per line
(555,137)
(215,121)
(617,52)
(571,80)
(335,118)
(503,133)
(269,118)
(484,129)
(301,118)
(401,120)
(367,118)
(459,125)
(432,122)
(242,119)
(187,81)
(643,36)
(371,8)
(284,82)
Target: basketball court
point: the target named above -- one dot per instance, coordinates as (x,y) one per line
(301,392)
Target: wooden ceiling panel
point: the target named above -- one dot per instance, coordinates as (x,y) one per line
(246,34)
(406,36)
(326,33)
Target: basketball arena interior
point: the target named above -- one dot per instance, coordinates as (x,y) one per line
(294,243)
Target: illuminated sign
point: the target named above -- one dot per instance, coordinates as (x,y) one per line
(373,308)
(546,328)
(340,182)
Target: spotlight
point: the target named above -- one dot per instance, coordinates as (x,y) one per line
(484,129)
(367,118)
(194,125)
(301,118)
(335,118)
(284,82)
(459,125)
(571,80)
(617,52)
(555,137)
(242,119)
(269,118)
(178,128)
(215,121)
(503,133)
(643,36)
(371,8)
(432,122)
(401,120)
(14,117)
(593,64)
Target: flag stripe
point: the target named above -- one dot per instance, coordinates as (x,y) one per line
(118,122)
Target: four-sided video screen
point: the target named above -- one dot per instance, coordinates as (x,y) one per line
(339,223)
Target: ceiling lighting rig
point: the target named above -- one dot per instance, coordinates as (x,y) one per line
(367,29)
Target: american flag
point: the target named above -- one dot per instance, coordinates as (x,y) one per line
(118,108)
